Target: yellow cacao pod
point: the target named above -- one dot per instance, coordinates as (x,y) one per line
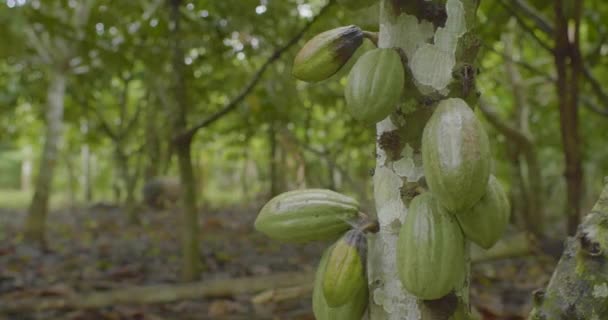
(323,55)
(345,270)
(352,310)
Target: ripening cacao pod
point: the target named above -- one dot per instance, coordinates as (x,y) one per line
(307,215)
(455,155)
(351,310)
(345,270)
(374,85)
(430,250)
(323,55)
(485,223)
(356,4)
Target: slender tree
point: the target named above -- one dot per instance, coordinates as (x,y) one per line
(55,52)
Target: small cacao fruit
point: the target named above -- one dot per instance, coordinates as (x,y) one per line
(485,223)
(345,270)
(323,55)
(356,4)
(374,85)
(307,215)
(351,310)
(430,250)
(455,155)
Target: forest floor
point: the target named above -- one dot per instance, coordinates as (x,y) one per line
(94,249)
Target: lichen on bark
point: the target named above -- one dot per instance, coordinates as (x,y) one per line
(578,288)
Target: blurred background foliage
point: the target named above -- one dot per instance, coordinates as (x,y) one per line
(285,134)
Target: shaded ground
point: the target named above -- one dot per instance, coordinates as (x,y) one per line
(93,249)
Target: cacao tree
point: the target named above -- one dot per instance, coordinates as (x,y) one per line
(432,177)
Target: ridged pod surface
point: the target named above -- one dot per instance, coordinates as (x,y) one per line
(307,215)
(352,310)
(456,155)
(345,270)
(430,250)
(374,85)
(323,55)
(485,223)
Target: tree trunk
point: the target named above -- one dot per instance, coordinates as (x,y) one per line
(398,172)
(579,286)
(36,219)
(273,165)
(569,66)
(153,148)
(128,177)
(72,180)
(87,183)
(189,222)
(190,229)
(26,169)
(529,177)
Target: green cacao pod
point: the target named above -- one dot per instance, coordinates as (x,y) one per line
(356,4)
(345,270)
(374,85)
(455,155)
(351,310)
(485,223)
(307,215)
(430,250)
(323,55)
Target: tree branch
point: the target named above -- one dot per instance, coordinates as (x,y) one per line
(585,100)
(539,20)
(37,44)
(545,26)
(230,106)
(525,26)
(504,128)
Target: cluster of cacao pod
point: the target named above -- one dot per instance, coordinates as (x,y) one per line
(464,201)
(375,82)
(340,289)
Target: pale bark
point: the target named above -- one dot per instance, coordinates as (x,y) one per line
(36,219)
(435,51)
(26,169)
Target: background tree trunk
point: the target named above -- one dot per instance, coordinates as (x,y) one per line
(87,183)
(568,62)
(273,163)
(189,223)
(410,26)
(153,145)
(36,219)
(528,175)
